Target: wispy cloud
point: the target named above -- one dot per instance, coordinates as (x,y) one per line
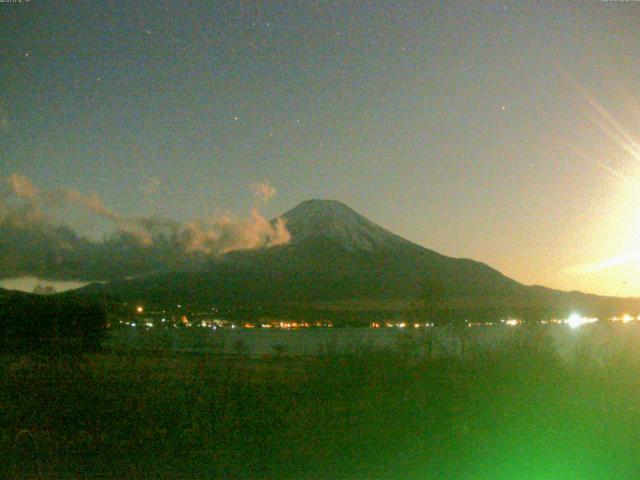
(22,187)
(30,244)
(91,202)
(263,190)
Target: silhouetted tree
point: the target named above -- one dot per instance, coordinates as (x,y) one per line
(31,322)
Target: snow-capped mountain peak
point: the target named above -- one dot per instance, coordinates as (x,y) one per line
(333,220)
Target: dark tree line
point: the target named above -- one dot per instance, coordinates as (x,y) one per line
(32,322)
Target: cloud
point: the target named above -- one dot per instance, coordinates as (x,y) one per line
(25,212)
(30,244)
(90,202)
(229,233)
(263,191)
(22,187)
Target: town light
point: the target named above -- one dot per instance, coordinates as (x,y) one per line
(575,320)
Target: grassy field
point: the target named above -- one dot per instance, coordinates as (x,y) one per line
(520,412)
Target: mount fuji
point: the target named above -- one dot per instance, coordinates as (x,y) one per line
(340,264)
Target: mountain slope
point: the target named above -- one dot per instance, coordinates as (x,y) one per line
(337,260)
(331,240)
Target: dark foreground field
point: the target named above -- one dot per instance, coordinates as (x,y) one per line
(518,413)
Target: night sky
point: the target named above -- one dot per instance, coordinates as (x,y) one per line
(498,131)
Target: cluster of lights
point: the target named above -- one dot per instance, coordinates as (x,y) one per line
(575,320)
(291,325)
(398,325)
(217,323)
(553,321)
(626,318)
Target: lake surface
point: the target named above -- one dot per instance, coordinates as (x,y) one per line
(595,340)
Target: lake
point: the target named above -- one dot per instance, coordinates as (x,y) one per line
(599,339)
